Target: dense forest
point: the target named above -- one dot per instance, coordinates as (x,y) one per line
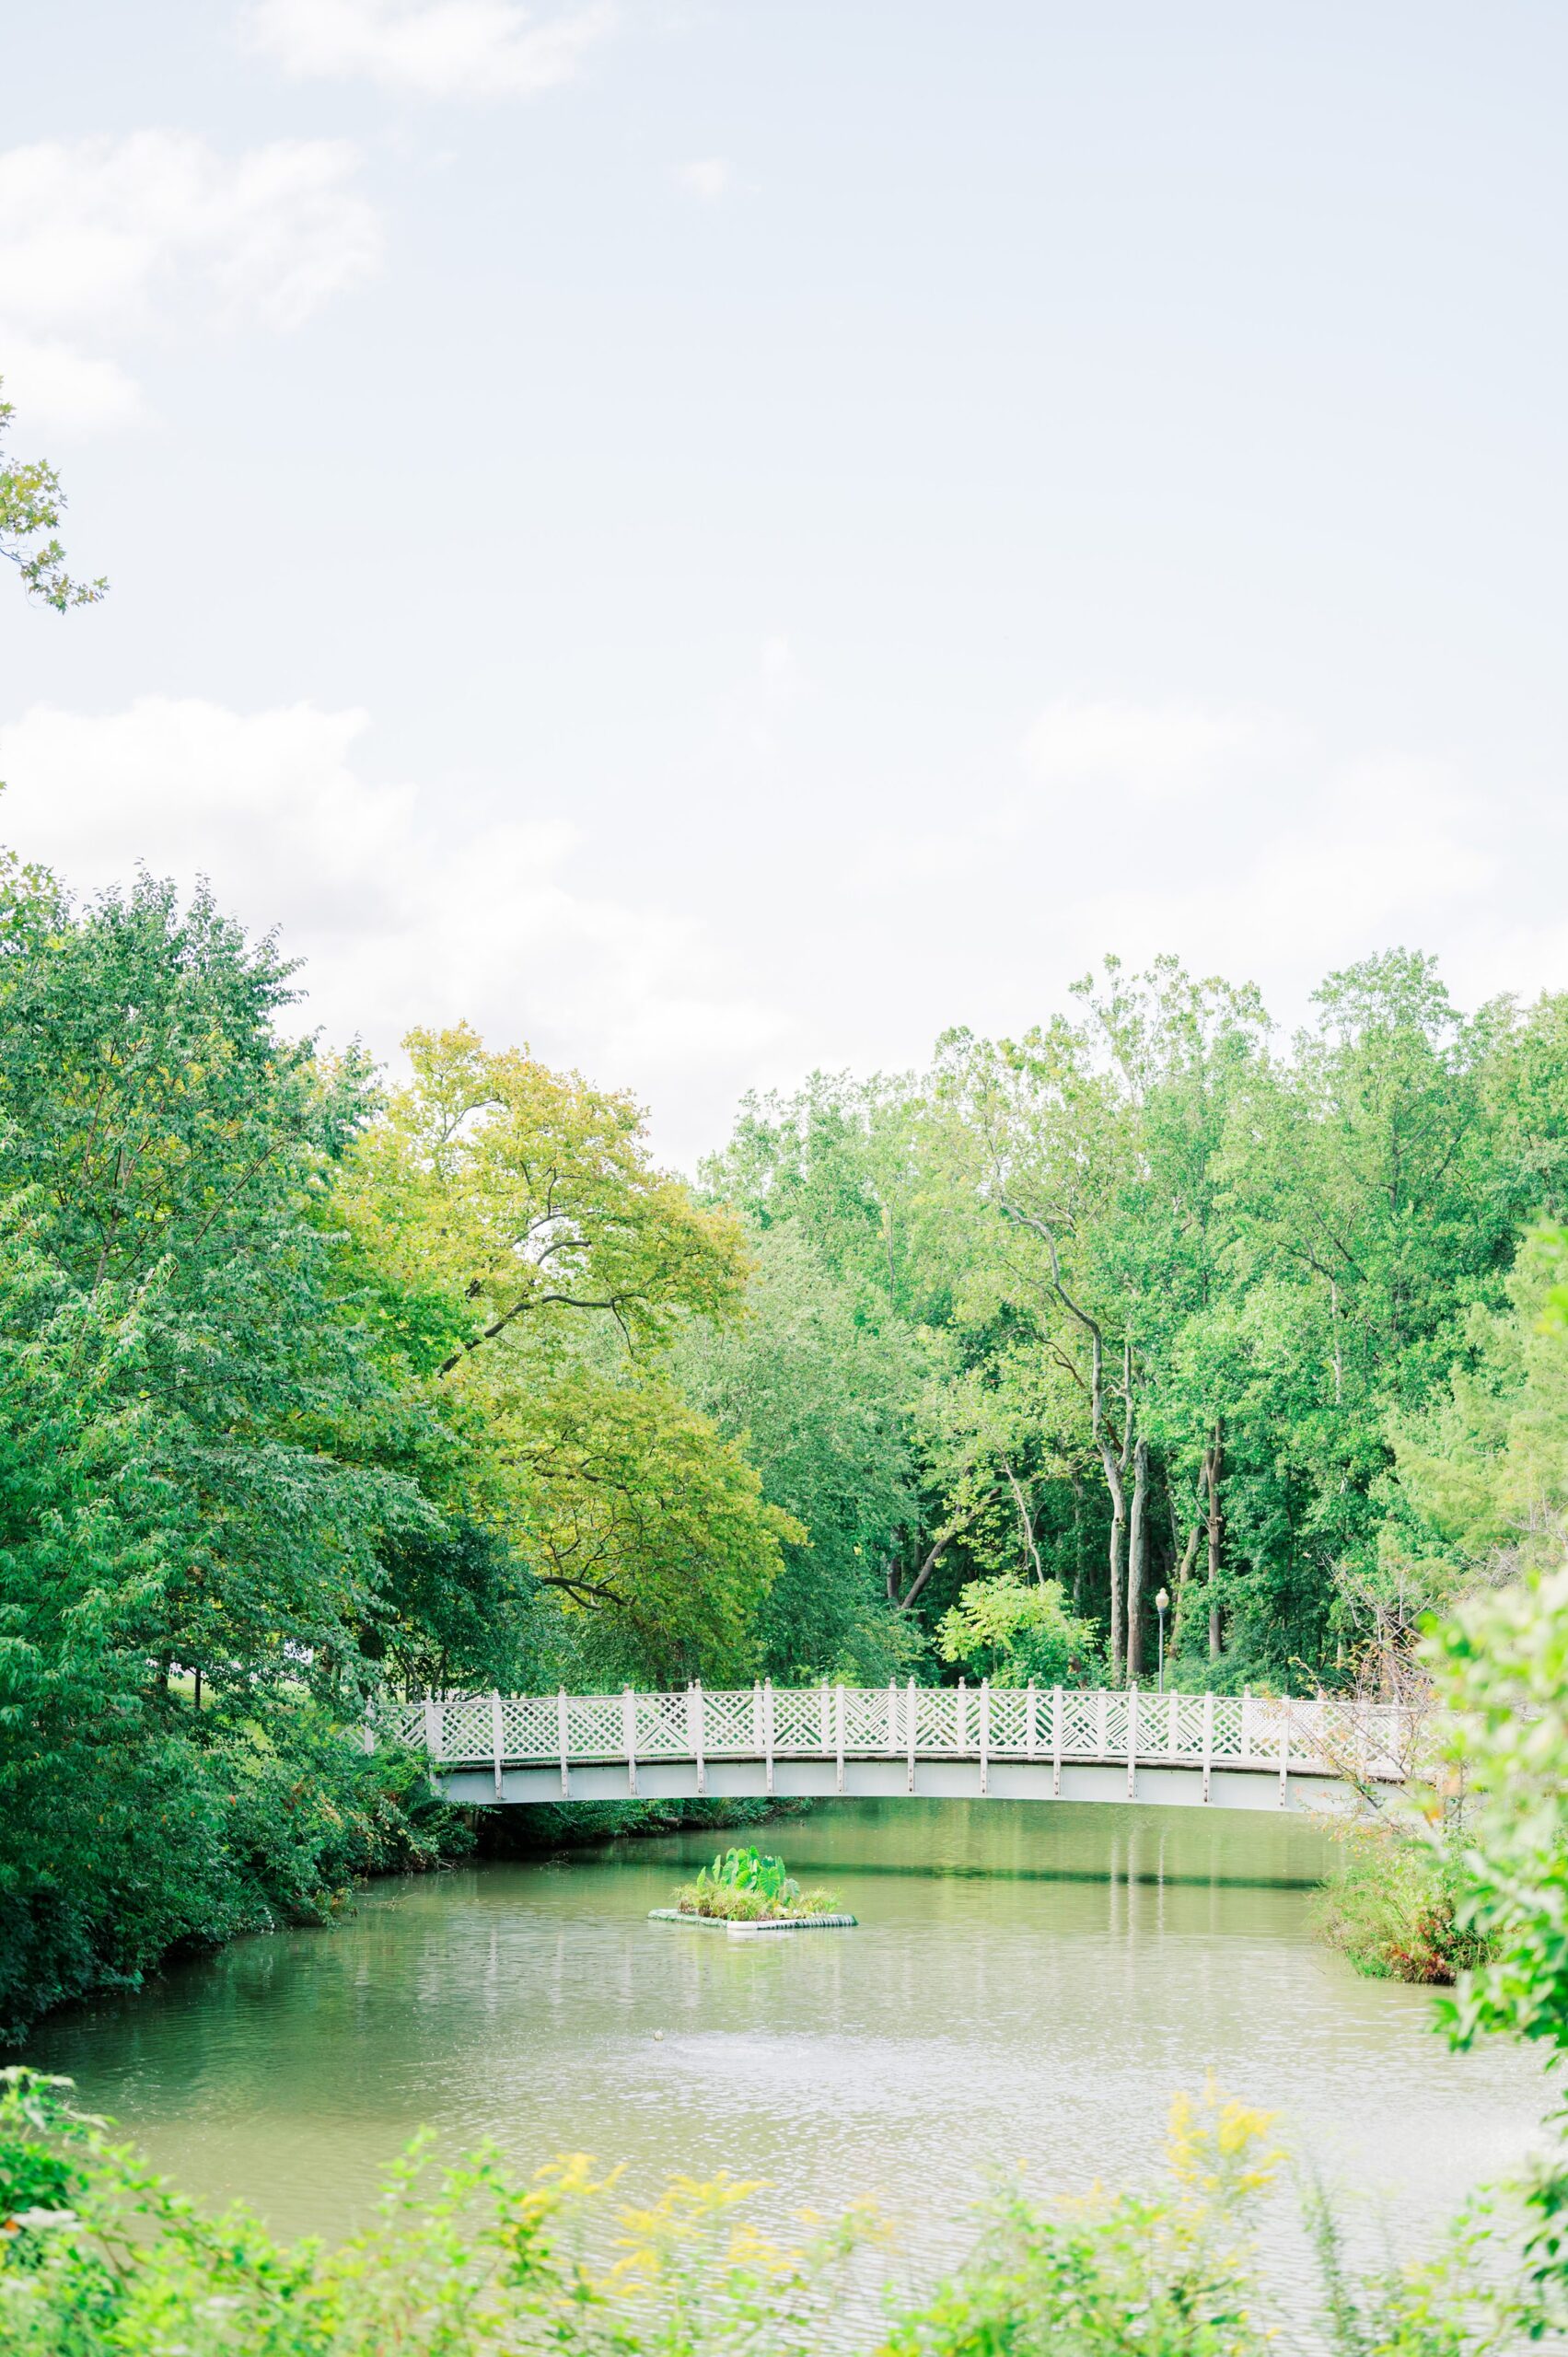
(317,1381)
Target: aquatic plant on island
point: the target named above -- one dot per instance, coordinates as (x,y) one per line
(743,1886)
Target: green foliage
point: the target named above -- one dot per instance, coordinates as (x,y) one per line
(98,2254)
(135,1840)
(1483,1474)
(817,1398)
(183,1491)
(1016,1634)
(300,1393)
(743,1886)
(1177,1301)
(528,1267)
(1397,1905)
(31,504)
(1501,1666)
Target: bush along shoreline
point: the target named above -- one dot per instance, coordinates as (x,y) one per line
(1397,1905)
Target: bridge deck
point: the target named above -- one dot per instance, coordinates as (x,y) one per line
(1231,1751)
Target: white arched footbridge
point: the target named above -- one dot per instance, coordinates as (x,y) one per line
(965,1742)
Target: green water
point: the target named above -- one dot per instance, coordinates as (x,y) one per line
(1028,1984)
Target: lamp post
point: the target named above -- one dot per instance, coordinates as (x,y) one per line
(1162,1605)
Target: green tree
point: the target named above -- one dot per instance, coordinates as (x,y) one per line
(1018,1632)
(31,505)
(822,1402)
(529,1265)
(193,1538)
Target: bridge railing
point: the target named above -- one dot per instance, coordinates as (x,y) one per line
(1053,1724)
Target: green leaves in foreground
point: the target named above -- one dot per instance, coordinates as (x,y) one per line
(1502,1665)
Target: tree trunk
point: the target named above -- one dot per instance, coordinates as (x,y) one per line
(1117,1488)
(1137,1560)
(1212,1461)
(1025,1523)
(1183,1556)
(950,1530)
(1077,1539)
(1115,1461)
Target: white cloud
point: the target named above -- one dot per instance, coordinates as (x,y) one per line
(444,48)
(105,241)
(55,384)
(399,919)
(1147,749)
(707,179)
(1230,837)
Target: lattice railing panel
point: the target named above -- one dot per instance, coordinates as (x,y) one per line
(729,1722)
(1009,1718)
(798,1721)
(1227,1726)
(662,1726)
(595,1727)
(867,1719)
(1079,1735)
(1188,1716)
(529,1728)
(468,1729)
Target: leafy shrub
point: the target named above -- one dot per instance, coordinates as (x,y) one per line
(1013,1631)
(1396,1906)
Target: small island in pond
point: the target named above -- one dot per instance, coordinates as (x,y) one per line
(743,1892)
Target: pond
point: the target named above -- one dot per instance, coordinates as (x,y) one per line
(1029,1985)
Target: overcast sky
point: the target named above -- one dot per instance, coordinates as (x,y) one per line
(719,538)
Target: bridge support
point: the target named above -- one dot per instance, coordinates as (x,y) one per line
(1179,1785)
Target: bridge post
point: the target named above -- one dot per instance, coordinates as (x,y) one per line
(433,1731)
(768,1732)
(1029,1723)
(1056,1743)
(839,1729)
(497,1735)
(694,1731)
(561,1732)
(1246,1723)
(892,1718)
(1208,1739)
(910,1705)
(755,1715)
(629,1731)
(1131,1741)
(1285,1747)
(961,1719)
(984,1734)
